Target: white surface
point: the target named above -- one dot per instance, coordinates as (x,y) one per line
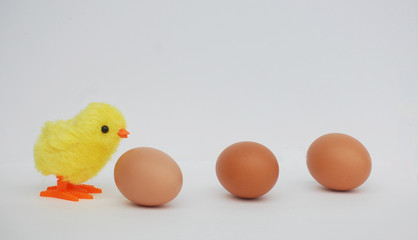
(192,78)
(297,208)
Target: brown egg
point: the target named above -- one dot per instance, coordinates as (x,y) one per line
(247,169)
(338,162)
(148,176)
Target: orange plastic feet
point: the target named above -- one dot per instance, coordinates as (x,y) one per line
(72,192)
(87,188)
(79,188)
(66,195)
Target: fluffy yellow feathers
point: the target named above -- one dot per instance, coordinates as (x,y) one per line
(77,149)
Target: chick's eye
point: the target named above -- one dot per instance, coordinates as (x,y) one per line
(105,129)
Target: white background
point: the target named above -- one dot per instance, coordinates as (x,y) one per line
(193,77)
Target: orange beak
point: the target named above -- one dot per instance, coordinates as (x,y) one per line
(123,133)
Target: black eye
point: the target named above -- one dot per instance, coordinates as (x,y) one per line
(105,129)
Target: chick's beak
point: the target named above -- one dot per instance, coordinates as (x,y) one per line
(123,133)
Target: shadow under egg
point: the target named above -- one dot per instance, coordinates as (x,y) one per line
(162,206)
(242,199)
(330,190)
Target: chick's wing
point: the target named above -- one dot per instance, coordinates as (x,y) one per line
(60,135)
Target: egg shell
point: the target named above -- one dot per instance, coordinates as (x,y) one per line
(338,162)
(148,176)
(247,169)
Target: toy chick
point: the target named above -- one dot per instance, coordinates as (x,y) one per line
(75,150)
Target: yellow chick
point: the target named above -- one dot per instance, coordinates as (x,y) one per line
(76,150)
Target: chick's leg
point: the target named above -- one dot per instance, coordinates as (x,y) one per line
(64,190)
